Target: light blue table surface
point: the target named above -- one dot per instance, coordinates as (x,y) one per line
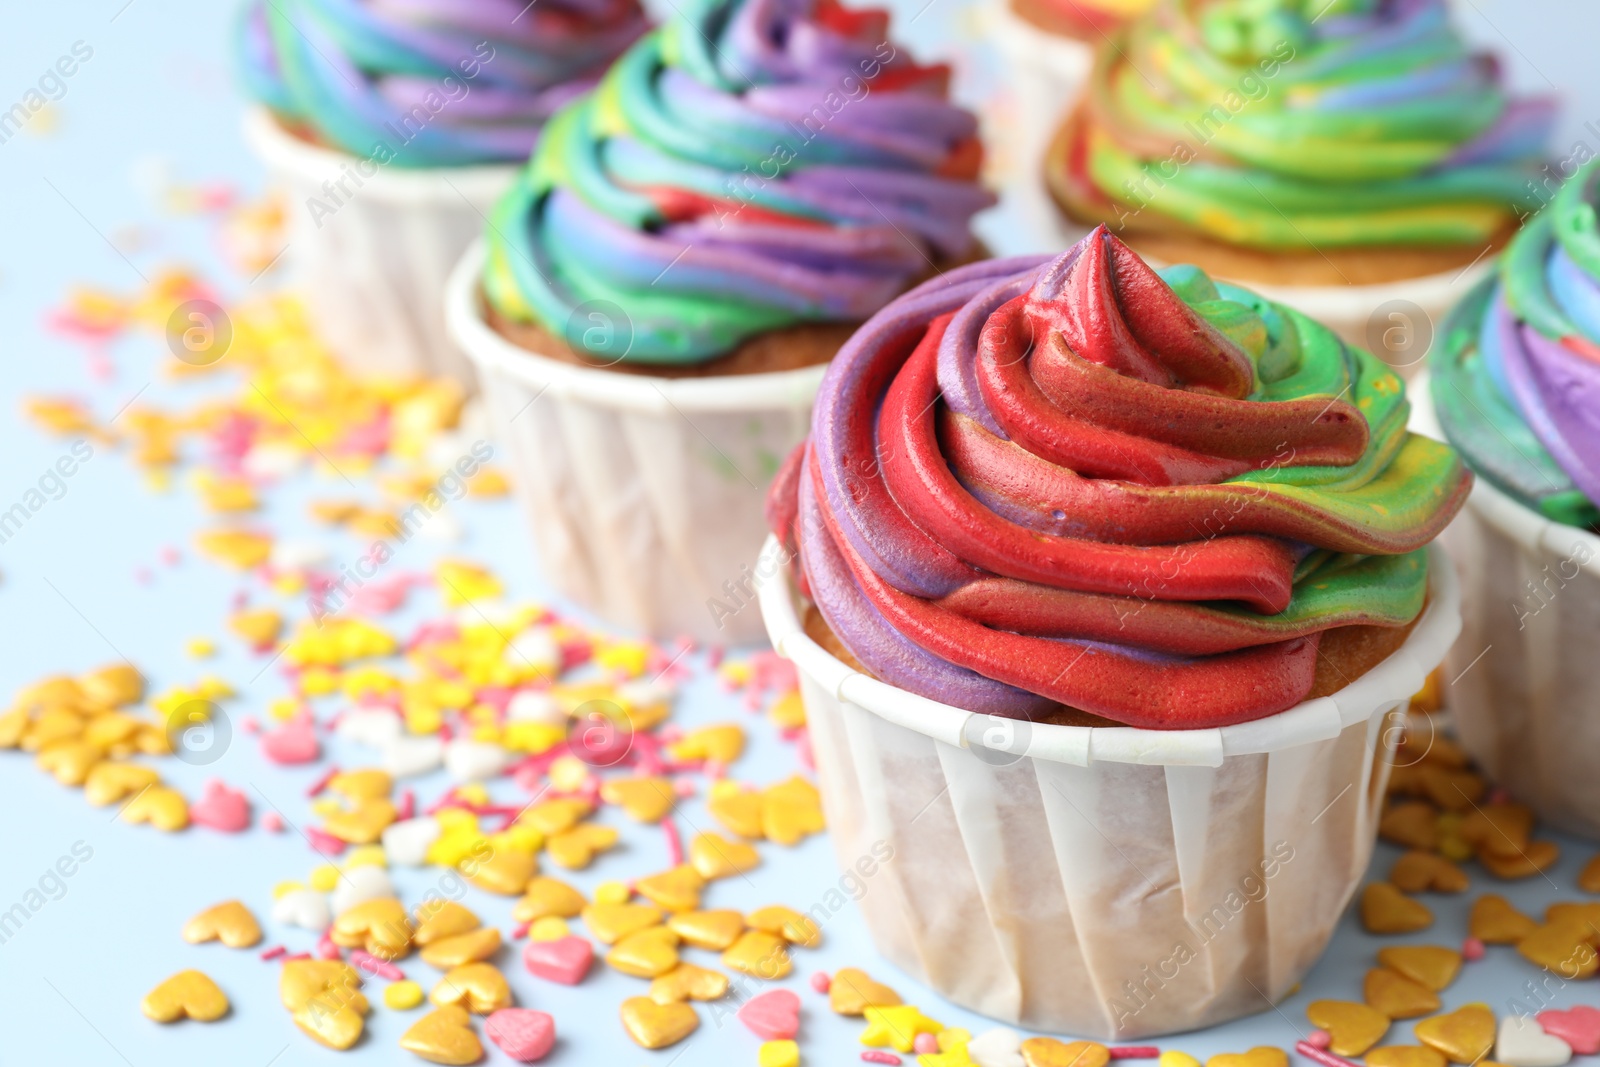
(156,95)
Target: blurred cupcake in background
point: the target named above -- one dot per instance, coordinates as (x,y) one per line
(1353,159)
(1047,50)
(1516,388)
(394,125)
(664,284)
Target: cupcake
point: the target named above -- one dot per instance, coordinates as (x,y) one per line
(1516,387)
(1105,579)
(393,126)
(662,286)
(1351,159)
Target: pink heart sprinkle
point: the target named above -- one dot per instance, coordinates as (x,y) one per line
(1578,1026)
(221,808)
(522,1033)
(293,742)
(773,1016)
(565,960)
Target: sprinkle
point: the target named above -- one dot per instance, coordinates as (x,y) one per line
(403,996)
(1132,1052)
(407,807)
(273,822)
(322,783)
(1320,1038)
(925,1044)
(822,981)
(1472,950)
(324,842)
(274,952)
(326,949)
(1322,1056)
(297,956)
(674,842)
(366,961)
(877,1056)
(519,931)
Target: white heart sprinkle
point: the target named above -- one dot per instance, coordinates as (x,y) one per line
(406,843)
(305,908)
(474,761)
(1000,1047)
(1523,1043)
(405,757)
(369,726)
(357,885)
(534,705)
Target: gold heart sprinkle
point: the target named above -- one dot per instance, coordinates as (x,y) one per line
(1405,1056)
(646,953)
(1353,1027)
(714,856)
(1498,828)
(610,923)
(575,849)
(654,1025)
(443,1036)
(114,686)
(1538,857)
(1495,922)
(688,982)
(381,926)
(714,930)
(1414,824)
(737,808)
(1419,872)
(1589,877)
(438,919)
(479,987)
(646,799)
(555,816)
(301,981)
(788,924)
(70,761)
(161,807)
(186,995)
(1386,910)
(229,922)
(470,947)
(790,811)
(109,782)
(1048,1052)
(361,824)
(365,783)
(853,992)
(721,744)
(1464,1036)
(547,898)
(506,871)
(675,890)
(760,955)
(1397,996)
(1260,1056)
(1565,947)
(1431,966)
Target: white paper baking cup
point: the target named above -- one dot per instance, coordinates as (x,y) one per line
(646,495)
(1524,676)
(1044,74)
(1395,321)
(373,272)
(1056,878)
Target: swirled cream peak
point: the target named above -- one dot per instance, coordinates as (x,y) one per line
(1516,383)
(428,83)
(751,165)
(1296,125)
(1076,481)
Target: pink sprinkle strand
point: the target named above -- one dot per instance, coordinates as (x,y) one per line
(274,952)
(1322,1056)
(1134,1052)
(822,981)
(324,842)
(520,931)
(674,842)
(322,783)
(873,1055)
(366,961)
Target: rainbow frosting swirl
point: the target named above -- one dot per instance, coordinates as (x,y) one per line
(752,165)
(1516,381)
(1074,481)
(428,83)
(1300,125)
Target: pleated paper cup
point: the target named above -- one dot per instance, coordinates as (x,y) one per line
(1045,73)
(371,260)
(1525,678)
(646,496)
(1111,882)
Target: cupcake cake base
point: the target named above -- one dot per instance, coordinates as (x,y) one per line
(1105,881)
(370,248)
